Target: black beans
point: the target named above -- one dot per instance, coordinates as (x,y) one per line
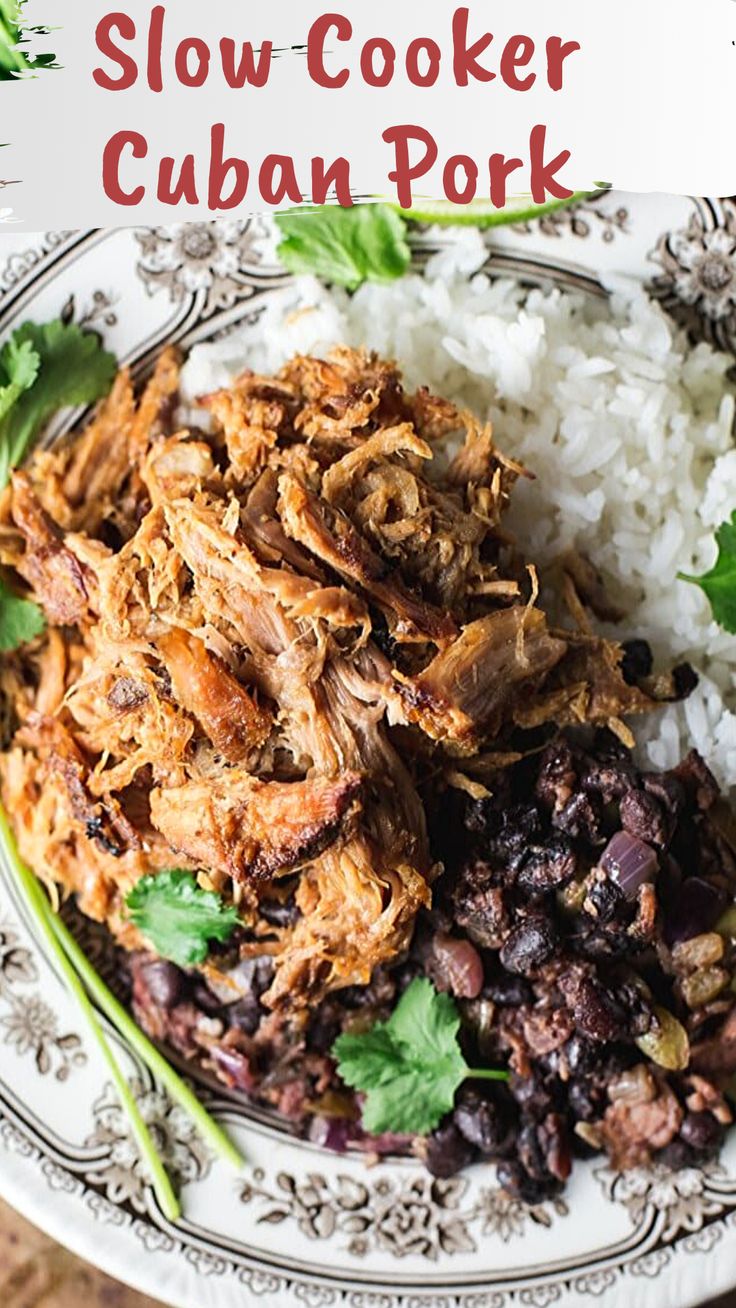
(529,945)
(448,1151)
(515,829)
(205,1000)
(482,1123)
(532,1094)
(581,1055)
(642,816)
(684,680)
(279,915)
(699,1141)
(588,1102)
(607,902)
(698,779)
(667,789)
(548,866)
(595,1012)
(702,1133)
(164,982)
(695,909)
(609,778)
(557,779)
(508,989)
(517,1183)
(636,1006)
(637,661)
(581,818)
(246,1014)
(557,949)
(481,911)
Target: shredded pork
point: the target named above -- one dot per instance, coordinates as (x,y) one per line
(264,638)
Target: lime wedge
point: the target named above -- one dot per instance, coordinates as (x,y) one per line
(481,213)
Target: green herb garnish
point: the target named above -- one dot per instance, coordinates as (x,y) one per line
(368,242)
(720,583)
(42,369)
(13,59)
(345,246)
(84,981)
(20,619)
(178,918)
(19,365)
(411,1066)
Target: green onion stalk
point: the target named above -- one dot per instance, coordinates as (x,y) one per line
(86,984)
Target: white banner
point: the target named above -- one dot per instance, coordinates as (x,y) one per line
(165,113)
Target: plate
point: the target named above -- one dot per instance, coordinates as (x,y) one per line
(302,1226)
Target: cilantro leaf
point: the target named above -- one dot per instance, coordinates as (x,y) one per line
(19,365)
(72,368)
(177,917)
(409,1067)
(720,583)
(344,246)
(20,619)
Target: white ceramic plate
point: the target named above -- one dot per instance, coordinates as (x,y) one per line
(301,1226)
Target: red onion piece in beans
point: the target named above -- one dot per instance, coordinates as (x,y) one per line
(331,1133)
(629,862)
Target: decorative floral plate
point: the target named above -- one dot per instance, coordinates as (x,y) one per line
(301,1226)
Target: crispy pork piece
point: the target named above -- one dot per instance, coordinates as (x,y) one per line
(246,829)
(345,397)
(586,589)
(355,911)
(103,822)
(96,478)
(142,589)
(98,463)
(234,721)
(415,525)
(177,466)
(262,604)
(471,688)
(330,536)
(155,408)
(250,426)
(125,717)
(264,531)
(60,581)
(588,686)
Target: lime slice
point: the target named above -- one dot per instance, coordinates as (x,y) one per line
(481,213)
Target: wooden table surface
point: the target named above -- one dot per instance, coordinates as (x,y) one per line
(37,1273)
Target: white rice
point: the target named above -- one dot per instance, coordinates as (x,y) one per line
(628,429)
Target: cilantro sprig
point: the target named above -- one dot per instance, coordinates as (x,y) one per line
(178,918)
(43,368)
(344,246)
(20,619)
(411,1066)
(369,242)
(719,584)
